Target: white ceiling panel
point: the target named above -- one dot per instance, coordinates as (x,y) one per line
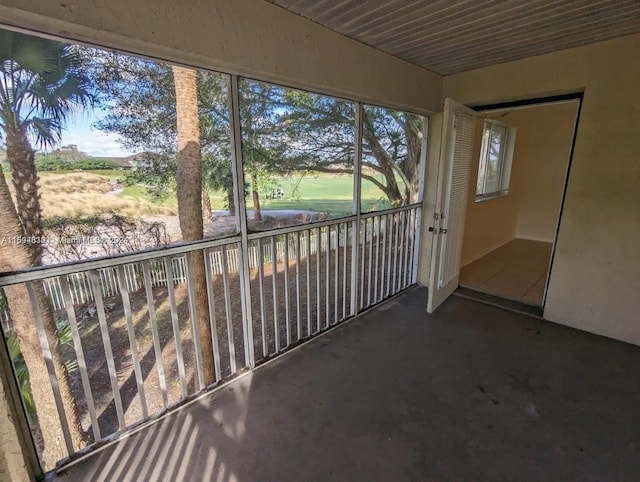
(448,36)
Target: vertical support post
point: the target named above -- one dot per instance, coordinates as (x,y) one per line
(17,438)
(355,239)
(238,181)
(419,211)
(48,358)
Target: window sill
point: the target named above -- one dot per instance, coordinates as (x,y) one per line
(493,195)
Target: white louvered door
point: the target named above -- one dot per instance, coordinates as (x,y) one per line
(451,202)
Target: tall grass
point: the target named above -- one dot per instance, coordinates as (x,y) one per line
(79,194)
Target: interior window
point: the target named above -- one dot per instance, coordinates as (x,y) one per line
(496,156)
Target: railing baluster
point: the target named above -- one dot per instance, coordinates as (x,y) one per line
(407,248)
(286,289)
(400,256)
(398,285)
(168,267)
(375,284)
(318,253)
(389,248)
(193,311)
(363,246)
(48,359)
(154,332)
(336,273)
(212,315)
(298,307)
(396,222)
(106,343)
(308,287)
(133,344)
(327,278)
(227,307)
(274,275)
(370,261)
(263,318)
(82,364)
(344,271)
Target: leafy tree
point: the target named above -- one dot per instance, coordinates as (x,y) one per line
(42,83)
(283,130)
(140,101)
(294,130)
(217,175)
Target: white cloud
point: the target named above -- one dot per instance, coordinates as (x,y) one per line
(95,142)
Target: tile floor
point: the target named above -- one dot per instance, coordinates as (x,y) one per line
(516,271)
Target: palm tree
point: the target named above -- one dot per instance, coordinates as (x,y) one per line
(189,193)
(41,84)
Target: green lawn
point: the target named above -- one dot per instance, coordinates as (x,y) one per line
(329,193)
(324,193)
(321,193)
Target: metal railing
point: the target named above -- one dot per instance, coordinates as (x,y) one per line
(135,339)
(82,289)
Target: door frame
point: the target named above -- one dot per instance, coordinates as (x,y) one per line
(533,102)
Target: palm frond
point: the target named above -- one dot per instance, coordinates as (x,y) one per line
(43,83)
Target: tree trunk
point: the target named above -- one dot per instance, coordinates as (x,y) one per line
(189,183)
(385,164)
(257,213)
(15,256)
(231,202)
(20,157)
(206,206)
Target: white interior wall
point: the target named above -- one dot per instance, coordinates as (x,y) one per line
(544,134)
(543,148)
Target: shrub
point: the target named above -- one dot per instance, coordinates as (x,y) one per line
(89,164)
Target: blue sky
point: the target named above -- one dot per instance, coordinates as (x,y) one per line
(80,131)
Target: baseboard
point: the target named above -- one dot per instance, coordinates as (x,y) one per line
(484,252)
(535,238)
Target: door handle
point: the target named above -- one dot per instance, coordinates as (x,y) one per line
(443,231)
(431,229)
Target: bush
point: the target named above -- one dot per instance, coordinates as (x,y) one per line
(89,164)
(53,164)
(96,164)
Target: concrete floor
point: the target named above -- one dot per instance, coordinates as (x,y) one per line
(469,393)
(515,271)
